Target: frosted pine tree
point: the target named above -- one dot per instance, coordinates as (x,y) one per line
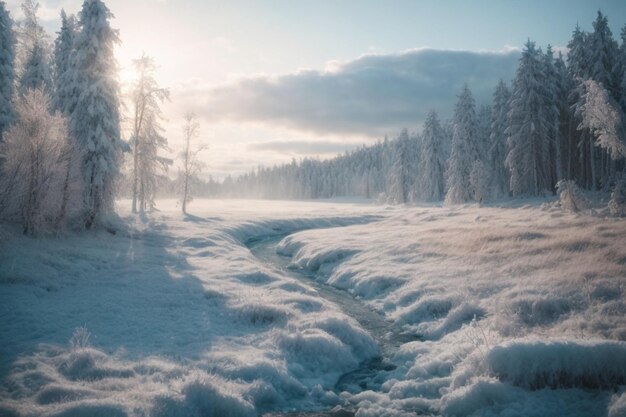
(432,165)
(36,72)
(483,137)
(7,68)
(464,149)
(551,114)
(479,181)
(566,138)
(398,175)
(33,51)
(528,129)
(498,147)
(578,66)
(95,120)
(623,69)
(603,59)
(63,48)
(605,68)
(578,56)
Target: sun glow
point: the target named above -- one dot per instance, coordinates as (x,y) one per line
(127,75)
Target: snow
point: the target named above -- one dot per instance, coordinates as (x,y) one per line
(468,281)
(511,310)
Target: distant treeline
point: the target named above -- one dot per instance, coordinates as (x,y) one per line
(562,118)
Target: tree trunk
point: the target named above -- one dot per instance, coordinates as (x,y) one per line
(135,160)
(186,185)
(592,161)
(66,187)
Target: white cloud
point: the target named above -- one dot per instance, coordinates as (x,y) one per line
(372,95)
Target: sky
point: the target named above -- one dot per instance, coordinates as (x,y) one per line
(278,79)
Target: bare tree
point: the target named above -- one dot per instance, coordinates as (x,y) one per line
(191,164)
(39,165)
(147,139)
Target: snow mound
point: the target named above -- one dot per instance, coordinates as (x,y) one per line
(90,364)
(559,364)
(204,396)
(475,397)
(315,351)
(617,407)
(427,309)
(259,314)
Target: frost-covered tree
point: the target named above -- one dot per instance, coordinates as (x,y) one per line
(604,56)
(147,138)
(578,54)
(567,140)
(571,196)
(578,66)
(602,116)
(622,71)
(604,69)
(36,174)
(483,138)
(551,114)
(498,147)
(464,149)
(36,72)
(7,68)
(33,51)
(151,166)
(402,170)
(431,184)
(95,119)
(191,165)
(479,181)
(617,203)
(529,128)
(62,69)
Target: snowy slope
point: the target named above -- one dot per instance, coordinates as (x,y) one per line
(509,303)
(502,311)
(181,317)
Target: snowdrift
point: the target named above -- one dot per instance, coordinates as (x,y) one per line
(559,364)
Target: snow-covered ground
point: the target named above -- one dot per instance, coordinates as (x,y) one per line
(514,311)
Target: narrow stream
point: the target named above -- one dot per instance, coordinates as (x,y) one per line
(370,374)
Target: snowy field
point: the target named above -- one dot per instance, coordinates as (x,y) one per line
(507,311)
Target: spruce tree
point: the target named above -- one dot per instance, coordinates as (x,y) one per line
(432,165)
(498,147)
(603,56)
(63,48)
(397,179)
(7,68)
(464,149)
(95,119)
(605,68)
(34,52)
(551,115)
(622,72)
(36,71)
(528,127)
(578,65)
(567,128)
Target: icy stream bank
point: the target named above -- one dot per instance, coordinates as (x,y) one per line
(370,374)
